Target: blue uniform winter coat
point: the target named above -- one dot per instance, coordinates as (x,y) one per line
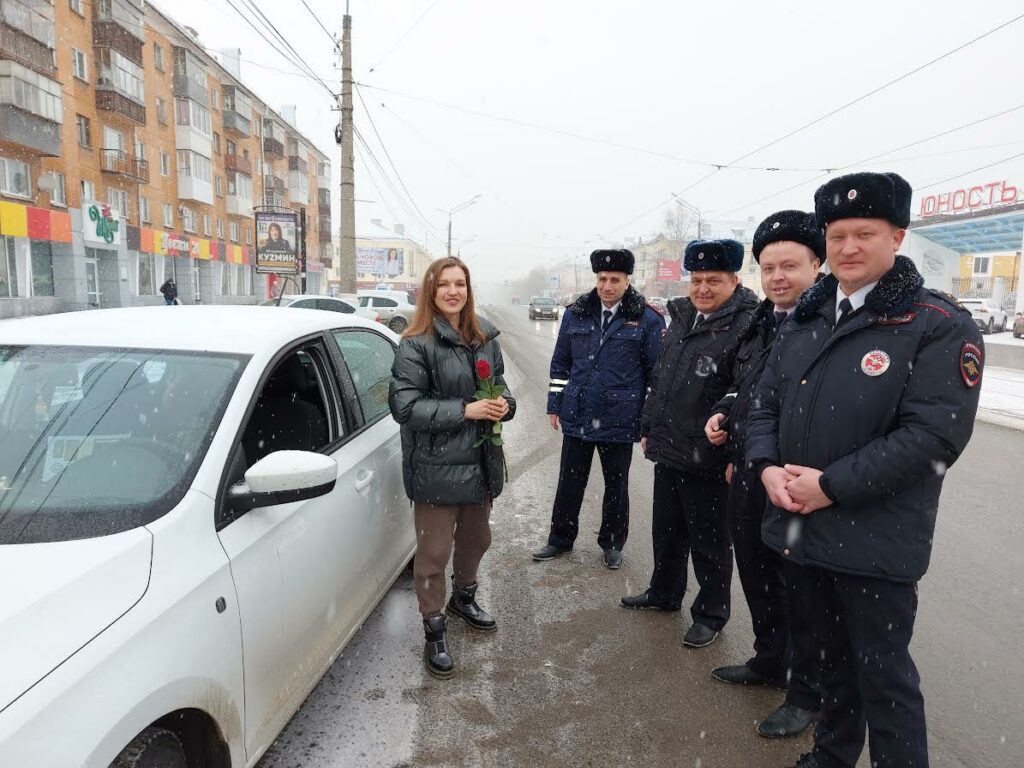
(599,381)
(882,405)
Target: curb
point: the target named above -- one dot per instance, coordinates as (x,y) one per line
(1010,420)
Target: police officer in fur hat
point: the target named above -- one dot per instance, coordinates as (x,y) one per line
(693,373)
(789,248)
(868,395)
(607,347)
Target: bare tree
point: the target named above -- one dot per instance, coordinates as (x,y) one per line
(681,223)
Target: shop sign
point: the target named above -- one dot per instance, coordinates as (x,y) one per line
(969,199)
(101,224)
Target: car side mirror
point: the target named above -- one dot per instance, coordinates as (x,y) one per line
(284,477)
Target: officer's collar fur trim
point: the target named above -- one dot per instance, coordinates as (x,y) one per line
(762,318)
(894,293)
(631,308)
(682,308)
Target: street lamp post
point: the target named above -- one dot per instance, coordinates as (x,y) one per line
(456,209)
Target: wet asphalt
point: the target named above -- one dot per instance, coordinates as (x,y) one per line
(572,679)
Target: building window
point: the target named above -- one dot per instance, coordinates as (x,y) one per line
(59,194)
(144,209)
(168,215)
(225,279)
(147,274)
(161,111)
(215,98)
(88,190)
(165,164)
(15,178)
(216,143)
(158,57)
(140,150)
(259,167)
(29,90)
(188,112)
(240,184)
(219,184)
(79,65)
(220,228)
(188,219)
(8,269)
(194,165)
(41,262)
(233,230)
(248,235)
(206,224)
(121,73)
(84,129)
(230,147)
(76,6)
(118,200)
(982,264)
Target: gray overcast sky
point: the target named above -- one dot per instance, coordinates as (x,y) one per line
(707,81)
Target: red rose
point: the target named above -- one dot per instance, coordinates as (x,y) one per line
(483,369)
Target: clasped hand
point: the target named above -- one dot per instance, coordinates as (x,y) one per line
(795,488)
(487,410)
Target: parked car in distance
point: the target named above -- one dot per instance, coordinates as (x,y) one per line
(1018,326)
(543,308)
(394,307)
(989,316)
(326,303)
(199,510)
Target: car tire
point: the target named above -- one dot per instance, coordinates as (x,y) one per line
(153,748)
(1002,326)
(990,327)
(398,324)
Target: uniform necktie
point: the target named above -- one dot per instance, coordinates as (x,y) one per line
(607,321)
(700,320)
(779,317)
(846,308)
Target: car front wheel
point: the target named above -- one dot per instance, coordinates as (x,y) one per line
(153,748)
(990,327)
(398,324)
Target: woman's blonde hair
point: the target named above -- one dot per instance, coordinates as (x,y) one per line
(423,321)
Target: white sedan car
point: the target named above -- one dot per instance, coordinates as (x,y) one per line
(327,303)
(198,509)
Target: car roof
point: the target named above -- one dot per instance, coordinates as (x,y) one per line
(233,329)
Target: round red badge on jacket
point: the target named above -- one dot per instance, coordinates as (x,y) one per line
(875,363)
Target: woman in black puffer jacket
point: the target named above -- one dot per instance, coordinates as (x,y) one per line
(450,476)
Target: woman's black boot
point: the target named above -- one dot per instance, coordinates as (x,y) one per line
(463,606)
(436,654)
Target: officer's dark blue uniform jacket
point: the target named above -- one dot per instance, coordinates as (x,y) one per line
(598,387)
(882,406)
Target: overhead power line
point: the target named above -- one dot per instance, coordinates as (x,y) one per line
(973,170)
(404,35)
(317,19)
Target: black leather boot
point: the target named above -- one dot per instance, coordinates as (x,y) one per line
(463,606)
(436,654)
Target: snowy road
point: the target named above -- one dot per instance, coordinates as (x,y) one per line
(571,679)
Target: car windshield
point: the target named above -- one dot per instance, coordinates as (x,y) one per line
(284,302)
(95,442)
(544,302)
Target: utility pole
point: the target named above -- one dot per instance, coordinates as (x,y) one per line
(347,234)
(449,235)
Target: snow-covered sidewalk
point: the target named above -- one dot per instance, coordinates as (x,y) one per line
(1002,397)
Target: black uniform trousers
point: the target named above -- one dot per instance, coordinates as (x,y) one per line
(862,627)
(784,647)
(690,516)
(577,458)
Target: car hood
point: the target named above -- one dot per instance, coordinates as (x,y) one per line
(58,597)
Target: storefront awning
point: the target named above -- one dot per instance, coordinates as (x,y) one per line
(981,232)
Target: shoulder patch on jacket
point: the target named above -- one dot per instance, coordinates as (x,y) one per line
(970,364)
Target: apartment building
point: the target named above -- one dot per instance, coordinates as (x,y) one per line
(129,154)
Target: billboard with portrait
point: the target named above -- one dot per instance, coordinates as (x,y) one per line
(382,262)
(276,242)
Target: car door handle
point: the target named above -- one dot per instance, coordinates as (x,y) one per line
(363,480)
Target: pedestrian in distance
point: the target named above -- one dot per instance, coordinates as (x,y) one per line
(607,347)
(170,291)
(693,373)
(452,474)
(789,248)
(867,397)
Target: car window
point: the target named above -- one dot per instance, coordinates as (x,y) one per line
(292,410)
(379,302)
(368,357)
(364,301)
(333,305)
(303,304)
(95,441)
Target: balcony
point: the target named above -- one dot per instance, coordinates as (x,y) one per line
(116,161)
(114,101)
(273,148)
(192,188)
(237,124)
(323,177)
(27,37)
(237,112)
(298,188)
(30,131)
(121,13)
(190,77)
(324,209)
(273,184)
(239,206)
(325,230)
(238,164)
(297,164)
(275,199)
